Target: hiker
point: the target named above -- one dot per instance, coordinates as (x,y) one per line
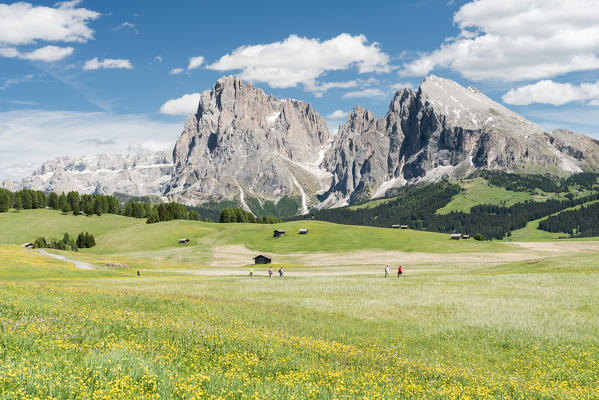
(281,272)
(251,271)
(399,271)
(270,272)
(387,271)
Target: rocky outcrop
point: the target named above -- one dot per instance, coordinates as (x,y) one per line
(140,174)
(444,130)
(242,142)
(252,148)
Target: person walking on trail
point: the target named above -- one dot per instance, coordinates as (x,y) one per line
(270,272)
(281,272)
(387,271)
(399,271)
(251,271)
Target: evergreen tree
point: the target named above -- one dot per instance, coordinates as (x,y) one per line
(17,202)
(113,205)
(81,243)
(26,199)
(152,218)
(62,201)
(66,208)
(98,206)
(53,201)
(4,200)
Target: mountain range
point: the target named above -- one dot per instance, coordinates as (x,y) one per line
(246,146)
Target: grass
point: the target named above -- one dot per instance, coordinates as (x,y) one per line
(532,233)
(478,191)
(138,243)
(518,330)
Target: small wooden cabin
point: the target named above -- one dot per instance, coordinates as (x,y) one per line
(262,259)
(395,226)
(183,241)
(403,226)
(465,236)
(303,231)
(28,245)
(278,233)
(456,236)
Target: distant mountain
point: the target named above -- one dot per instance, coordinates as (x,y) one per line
(252,148)
(243,143)
(139,174)
(444,130)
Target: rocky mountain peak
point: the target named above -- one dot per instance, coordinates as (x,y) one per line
(253,148)
(243,143)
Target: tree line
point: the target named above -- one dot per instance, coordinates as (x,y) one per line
(581,222)
(417,206)
(546,183)
(229,215)
(83,241)
(98,204)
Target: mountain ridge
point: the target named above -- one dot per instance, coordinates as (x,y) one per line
(251,147)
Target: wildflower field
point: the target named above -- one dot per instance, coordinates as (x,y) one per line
(527,330)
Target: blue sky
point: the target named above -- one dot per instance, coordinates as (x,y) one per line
(97,76)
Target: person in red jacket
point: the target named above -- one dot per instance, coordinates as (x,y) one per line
(399,271)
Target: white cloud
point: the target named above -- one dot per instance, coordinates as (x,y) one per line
(320,88)
(337,114)
(15,81)
(127,26)
(364,93)
(108,63)
(184,105)
(49,53)
(175,71)
(195,62)
(300,60)
(549,92)
(401,85)
(24,23)
(46,53)
(518,40)
(158,59)
(30,137)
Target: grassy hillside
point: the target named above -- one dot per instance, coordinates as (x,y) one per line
(117,234)
(532,233)
(478,191)
(26,225)
(519,330)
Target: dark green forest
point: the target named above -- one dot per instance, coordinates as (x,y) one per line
(577,223)
(416,206)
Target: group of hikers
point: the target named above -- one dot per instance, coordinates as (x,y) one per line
(387,271)
(399,271)
(281,272)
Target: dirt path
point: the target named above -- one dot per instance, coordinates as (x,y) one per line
(77,264)
(227,256)
(561,247)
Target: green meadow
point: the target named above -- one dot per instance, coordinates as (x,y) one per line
(522,329)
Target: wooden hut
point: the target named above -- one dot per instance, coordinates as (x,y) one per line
(403,226)
(262,259)
(28,245)
(456,236)
(303,231)
(182,241)
(278,233)
(465,236)
(395,226)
